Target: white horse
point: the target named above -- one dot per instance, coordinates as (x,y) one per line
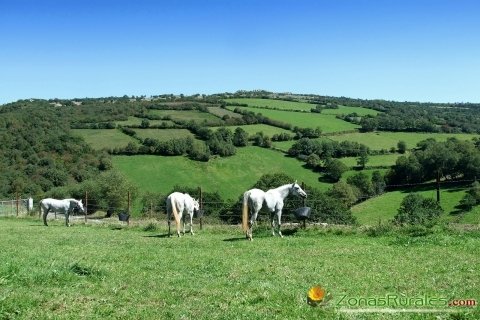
(65,206)
(254,199)
(177,203)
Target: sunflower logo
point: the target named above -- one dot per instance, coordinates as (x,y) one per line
(317,296)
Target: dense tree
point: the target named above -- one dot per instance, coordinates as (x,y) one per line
(240,137)
(334,169)
(362,158)
(417,210)
(401,146)
(363,183)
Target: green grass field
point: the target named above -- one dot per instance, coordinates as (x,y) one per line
(385,207)
(163,134)
(134,121)
(328,123)
(348,110)
(373,160)
(252,129)
(302,106)
(271,103)
(104,138)
(188,115)
(386,140)
(229,176)
(220,112)
(112,272)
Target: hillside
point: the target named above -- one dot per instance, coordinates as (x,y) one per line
(224,143)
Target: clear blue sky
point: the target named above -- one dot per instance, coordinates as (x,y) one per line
(415,50)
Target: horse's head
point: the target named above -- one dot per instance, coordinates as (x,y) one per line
(196,205)
(296,190)
(79,206)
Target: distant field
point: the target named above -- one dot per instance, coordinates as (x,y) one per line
(229,176)
(252,129)
(328,123)
(163,134)
(134,121)
(220,112)
(271,103)
(283,145)
(188,115)
(368,172)
(303,106)
(385,207)
(348,110)
(374,161)
(104,138)
(385,140)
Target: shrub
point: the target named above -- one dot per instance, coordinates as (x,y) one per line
(417,210)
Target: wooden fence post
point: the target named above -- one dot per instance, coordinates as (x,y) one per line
(304,203)
(438,186)
(128,203)
(86,205)
(200,200)
(18,200)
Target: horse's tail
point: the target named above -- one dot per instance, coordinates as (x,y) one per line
(175,213)
(245,211)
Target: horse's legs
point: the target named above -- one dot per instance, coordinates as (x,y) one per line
(168,221)
(191,224)
(183,220)
(253,219)
(272,217)
(45,213)
(279,222)
(67,220)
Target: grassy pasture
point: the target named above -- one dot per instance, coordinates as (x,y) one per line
(347,110)
(188,115)
(385,140)
(163,134)
(373,161)
(104,138)
(252,129)
(328,123)
(302,106)
(385,207)
(272,103)
(134,121)
(111,272)
(229,176)
(220,112)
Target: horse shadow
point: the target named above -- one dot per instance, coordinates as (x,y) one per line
(285,233)
(165,235)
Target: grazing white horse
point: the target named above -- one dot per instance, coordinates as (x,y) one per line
(65,206)
(177,203)
(254,199)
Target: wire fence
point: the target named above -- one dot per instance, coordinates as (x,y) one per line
(226,211)
(15,207)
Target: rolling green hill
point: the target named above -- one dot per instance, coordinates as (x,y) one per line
(385,207)
(229,176)
(326,122)
(104,138)
(386,140)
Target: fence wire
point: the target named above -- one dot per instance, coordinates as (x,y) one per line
(14,207)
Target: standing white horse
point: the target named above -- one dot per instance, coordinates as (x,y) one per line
(177,203)
(254,199)
(65,206)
